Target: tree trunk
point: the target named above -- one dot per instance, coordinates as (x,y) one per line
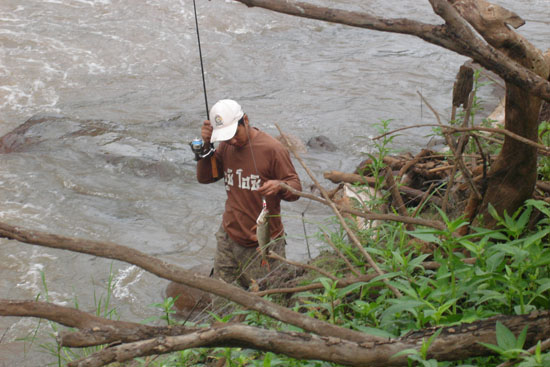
(512,177)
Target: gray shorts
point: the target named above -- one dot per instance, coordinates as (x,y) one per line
(239,264)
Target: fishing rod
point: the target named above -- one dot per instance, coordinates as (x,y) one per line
(199,148)
(200,57)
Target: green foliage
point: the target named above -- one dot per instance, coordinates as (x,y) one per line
(420,356)
(507,345)
(511,275)
(377,165)
(167,307)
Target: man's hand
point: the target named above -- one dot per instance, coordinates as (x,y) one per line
(270,188)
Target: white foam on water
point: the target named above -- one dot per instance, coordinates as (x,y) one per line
(31,265)
(125,279)
(94,2)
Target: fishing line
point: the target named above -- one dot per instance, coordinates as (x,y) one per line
(200,56)
(305,232)
(252,153)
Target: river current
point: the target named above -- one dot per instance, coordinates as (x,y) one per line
(120,84)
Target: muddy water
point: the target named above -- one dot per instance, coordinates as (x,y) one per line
(119,89)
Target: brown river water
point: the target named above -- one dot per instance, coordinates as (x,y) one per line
(120,84)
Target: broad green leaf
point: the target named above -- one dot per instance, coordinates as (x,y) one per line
(505,338)
(494,261)
(510,249)
(521,338)
(375,332)
(384,276)
(491,295)
(544,285)
(350,288)
(405,352)
(429,237)
(494,348)
(493,212)
(402,305)
(528,241)
(542,260)
(416,262)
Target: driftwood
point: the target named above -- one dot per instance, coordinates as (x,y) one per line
(337,176)
(372,216)
(462,338)
(132,340)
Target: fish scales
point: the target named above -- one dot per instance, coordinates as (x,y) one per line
(263,233)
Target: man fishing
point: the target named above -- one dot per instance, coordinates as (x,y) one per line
(253,164)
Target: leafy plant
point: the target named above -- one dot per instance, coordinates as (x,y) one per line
(167,307)
(507,345)
(420,356)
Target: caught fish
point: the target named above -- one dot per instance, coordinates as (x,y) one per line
(263,233)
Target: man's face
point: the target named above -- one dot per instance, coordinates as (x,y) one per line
(241,137)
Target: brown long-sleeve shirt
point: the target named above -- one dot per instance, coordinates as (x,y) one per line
(242,179)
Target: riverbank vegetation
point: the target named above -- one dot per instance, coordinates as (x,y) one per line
(397,285)
(440,258)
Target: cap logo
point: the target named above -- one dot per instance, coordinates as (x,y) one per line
(219,120)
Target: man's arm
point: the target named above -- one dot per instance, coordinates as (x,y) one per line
(209,168)
(284,172)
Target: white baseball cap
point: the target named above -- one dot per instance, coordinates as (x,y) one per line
(224,116)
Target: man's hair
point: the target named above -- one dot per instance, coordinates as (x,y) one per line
(241,121)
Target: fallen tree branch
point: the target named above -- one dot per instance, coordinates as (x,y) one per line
(177,274)
(370,216)
(455,129)
(101,330)
(454,343)
(457,35)
(275,256)
(337,177)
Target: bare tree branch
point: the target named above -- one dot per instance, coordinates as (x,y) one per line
(350,177)
(456,129)
(454,343)
(456,35)
(177,274)
(102,331)
(275,256)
